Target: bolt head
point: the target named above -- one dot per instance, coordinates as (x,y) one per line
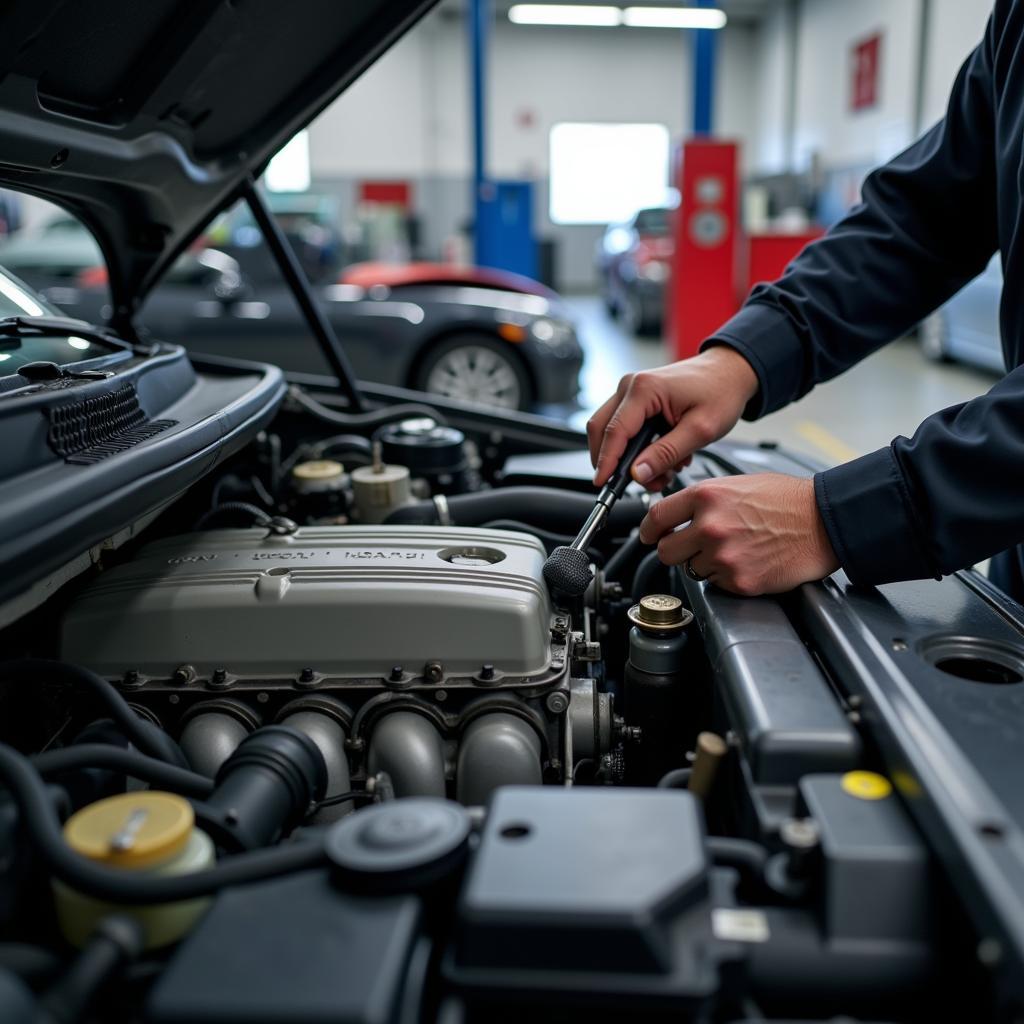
(557,702)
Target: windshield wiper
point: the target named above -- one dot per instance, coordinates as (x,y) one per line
(46,326)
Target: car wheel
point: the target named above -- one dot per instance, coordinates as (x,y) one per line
(933,335)
(476,369)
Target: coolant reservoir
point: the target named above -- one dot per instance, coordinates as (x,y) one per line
(379,489)
(148,832)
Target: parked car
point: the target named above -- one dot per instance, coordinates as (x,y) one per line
(468,333)
(293,727)
(966,328)
(634,265)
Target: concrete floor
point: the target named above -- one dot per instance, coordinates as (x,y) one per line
(888,394)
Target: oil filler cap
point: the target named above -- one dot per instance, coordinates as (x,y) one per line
(399,846)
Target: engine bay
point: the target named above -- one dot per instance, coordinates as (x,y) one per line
(320,744)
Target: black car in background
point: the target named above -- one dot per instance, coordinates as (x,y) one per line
(634,262)
(471,337)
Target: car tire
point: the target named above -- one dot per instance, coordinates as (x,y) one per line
(933,337)
(478,369)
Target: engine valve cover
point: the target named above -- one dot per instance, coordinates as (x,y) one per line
(358,602)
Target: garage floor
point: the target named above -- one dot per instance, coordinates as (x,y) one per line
(888,394)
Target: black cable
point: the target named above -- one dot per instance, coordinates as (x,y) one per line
(127,887)
(149,738)
(228,508)
(363,420)
(341,798)
(118,940)
(138,766)
(743,854)
(646,575)
(622,558)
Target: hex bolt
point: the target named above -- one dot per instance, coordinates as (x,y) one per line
(433,672)
(307,675)
(801,837)
(397,674)
(183,674)
(219,677)
(557,702)
(131,677)
(487,671)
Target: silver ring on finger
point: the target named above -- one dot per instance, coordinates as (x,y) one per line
(692,573)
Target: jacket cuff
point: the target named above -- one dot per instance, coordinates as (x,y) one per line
(766,339)
(868,515)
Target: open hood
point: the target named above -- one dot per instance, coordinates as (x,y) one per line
(145,118)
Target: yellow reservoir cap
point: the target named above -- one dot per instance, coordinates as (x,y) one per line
(132,830)
(318,469)
(866,785)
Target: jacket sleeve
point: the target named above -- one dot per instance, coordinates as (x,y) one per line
(926,225)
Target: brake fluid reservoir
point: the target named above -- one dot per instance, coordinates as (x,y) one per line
(379,489)
(148,832)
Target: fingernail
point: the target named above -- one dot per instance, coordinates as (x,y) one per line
(641,472)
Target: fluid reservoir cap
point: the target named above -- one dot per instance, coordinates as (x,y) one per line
(132,830)
(317,470)
(660,613)
(424,446)
(401,844)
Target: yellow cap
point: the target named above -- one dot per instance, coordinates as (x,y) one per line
(318,469)
(131,830)
(866,785)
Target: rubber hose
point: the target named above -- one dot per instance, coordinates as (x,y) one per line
(622,558)
(138,766)
(33,964)
(149,738)
(743,854)
(553,509)
(254,512)
(646,576)
(364,420)
(548,539)
(678,778)
(126,887)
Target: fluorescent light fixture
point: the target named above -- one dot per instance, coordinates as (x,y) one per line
(673,17)
(565,14)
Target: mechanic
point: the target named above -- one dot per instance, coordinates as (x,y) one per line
(951,495)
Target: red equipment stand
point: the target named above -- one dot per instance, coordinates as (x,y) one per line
(704,271)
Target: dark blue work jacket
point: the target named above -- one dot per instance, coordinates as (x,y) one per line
(929,221)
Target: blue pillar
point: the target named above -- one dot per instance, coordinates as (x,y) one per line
(704,40)
(479,26)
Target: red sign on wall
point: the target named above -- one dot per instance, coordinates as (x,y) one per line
(865,68)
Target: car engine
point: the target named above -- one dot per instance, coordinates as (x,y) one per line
(320,744)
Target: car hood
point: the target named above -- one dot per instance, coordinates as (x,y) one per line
(145,119)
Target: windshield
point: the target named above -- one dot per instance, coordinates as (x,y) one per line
(17,300)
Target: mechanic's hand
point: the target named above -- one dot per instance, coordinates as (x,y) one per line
(702,398)
(757,534)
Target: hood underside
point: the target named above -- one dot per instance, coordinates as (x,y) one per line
(144,119)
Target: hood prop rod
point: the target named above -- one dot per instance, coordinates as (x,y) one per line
(297,281)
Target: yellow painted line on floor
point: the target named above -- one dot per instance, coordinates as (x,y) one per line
(838,451)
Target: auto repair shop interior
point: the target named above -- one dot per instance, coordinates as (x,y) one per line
(442,580)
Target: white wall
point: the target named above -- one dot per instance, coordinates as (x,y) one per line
(954,29)
(774,54)
(409,116)
(826,32)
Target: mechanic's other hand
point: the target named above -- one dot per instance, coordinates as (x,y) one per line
(703,398)
(757,534)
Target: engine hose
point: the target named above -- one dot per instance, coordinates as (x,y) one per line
(623,558)
(553,509)
(645,579)
(29,792)
(745,855)
(363,420)
(33,964)
(149,738)
(549,539)
(234,508)
(138,766)
(678,778)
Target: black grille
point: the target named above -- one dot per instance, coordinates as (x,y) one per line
(93,428)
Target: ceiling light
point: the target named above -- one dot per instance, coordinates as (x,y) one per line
(564,14)
(673,17)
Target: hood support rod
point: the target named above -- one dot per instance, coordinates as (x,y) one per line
(297,281)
